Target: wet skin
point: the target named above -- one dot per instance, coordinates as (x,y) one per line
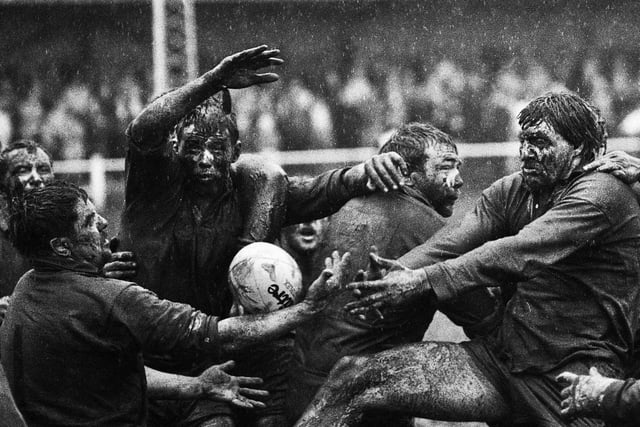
(27,169)
(206,152)
(440,180)
(305,237)
(90,242)
(546,157)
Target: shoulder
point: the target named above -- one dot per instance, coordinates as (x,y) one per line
(394,208)
(253,174)
(251,167)
(602,189)
(99,287)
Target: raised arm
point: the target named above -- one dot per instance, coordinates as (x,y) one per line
(236,71)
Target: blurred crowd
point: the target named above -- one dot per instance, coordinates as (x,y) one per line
(76,114)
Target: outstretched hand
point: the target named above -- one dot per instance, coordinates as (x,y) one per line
(240,70)
(396,287)
(218,385)
(377,269)
(619,164)
(330,282)
(584,393)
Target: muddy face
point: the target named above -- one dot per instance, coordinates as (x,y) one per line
(206,154)
(440,180)
(546,157)
(27,169)
(305,237)
(90,242)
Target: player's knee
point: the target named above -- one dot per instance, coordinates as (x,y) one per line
(347,369)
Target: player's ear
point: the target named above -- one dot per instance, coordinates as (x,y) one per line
(61,246)
(409,181)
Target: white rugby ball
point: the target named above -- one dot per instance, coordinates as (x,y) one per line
(264,278)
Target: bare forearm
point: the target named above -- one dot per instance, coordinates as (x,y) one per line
(162,385)
(165,112)
(238,332)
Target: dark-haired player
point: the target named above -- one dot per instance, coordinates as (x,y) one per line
(72,341)
(191,203)
(571,242)
(394,223)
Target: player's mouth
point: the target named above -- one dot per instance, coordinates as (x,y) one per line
(307,236)
(531,168)
(206,176)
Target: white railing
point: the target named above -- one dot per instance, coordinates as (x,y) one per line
(97,167)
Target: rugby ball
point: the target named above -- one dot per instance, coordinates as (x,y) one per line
(264,278)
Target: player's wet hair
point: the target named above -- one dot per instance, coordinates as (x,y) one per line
(43,214)
(411,140)
(211,115)
(27,144)
(572,117)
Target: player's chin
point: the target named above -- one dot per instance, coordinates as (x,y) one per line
(446,209)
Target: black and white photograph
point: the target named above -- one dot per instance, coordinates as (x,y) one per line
(320,213)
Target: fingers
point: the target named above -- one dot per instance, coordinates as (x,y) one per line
(328,263)
(566,408)
(121,256)
(566,392)
(120,269)
(250,380)
(593,371)
(248,403)
(567,377)
(384,171)
(120,274)
(593,165)
(252,392)
(266,78)
(258,57)
(362,306)
(373,285)
(377,314)
(335,258)
(249,53)
(226,366)
(241,403)
(343,263)
(120,265)
(608,167)
(378,261)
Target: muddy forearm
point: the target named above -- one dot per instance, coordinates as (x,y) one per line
(162,385)
(164,112)
(238,332)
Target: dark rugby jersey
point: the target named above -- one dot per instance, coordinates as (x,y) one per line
(72,344)
(395,222)
(576,262)
(12,264)
(184,256)
(621,403)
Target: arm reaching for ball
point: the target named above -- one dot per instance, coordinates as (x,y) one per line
(241,331)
